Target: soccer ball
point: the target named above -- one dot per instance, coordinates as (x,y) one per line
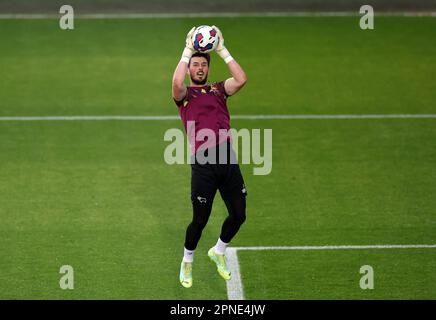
(205,39)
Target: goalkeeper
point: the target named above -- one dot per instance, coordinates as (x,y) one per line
(205,105)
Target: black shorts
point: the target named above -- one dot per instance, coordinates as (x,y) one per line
(207,178)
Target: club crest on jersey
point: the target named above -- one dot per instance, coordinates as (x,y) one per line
(216,92)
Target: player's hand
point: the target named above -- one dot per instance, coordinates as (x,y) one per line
(221,50)
(189,47)
(220,45)
(189,43)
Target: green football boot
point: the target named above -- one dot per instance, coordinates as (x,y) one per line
(221,264)
(186,274)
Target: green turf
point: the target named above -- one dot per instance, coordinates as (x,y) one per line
(98,195)
(398,274)
(294,65)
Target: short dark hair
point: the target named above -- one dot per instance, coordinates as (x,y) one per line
(200,54)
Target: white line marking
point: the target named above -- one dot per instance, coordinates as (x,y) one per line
(90,118)
(235,290)
(242,117)
(377,246)
(210,15)
(334,116)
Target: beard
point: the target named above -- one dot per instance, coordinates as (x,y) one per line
(199,82)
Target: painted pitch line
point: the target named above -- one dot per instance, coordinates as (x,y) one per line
(90,118)
(235,290)
(334,116)
(242,117)
(210,15)
(377,246)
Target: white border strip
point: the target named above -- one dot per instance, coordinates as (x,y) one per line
(235,290)
(91,118)
(377,246)
(242,117)
(334,116)
(210,15)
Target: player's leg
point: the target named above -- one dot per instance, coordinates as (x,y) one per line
(203,189)
(201,209)
(236,206)
(234,194)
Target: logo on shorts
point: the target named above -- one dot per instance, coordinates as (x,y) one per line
(202,200)
(243,189)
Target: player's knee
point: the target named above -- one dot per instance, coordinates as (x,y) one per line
(199,224)
(240,218)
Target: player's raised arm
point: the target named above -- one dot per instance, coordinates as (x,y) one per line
(239,78)
(179,87)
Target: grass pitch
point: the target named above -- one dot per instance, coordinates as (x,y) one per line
(99,197)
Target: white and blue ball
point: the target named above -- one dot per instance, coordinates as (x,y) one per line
(205,39)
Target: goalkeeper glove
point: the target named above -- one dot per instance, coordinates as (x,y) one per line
(189,47)
(220,49)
